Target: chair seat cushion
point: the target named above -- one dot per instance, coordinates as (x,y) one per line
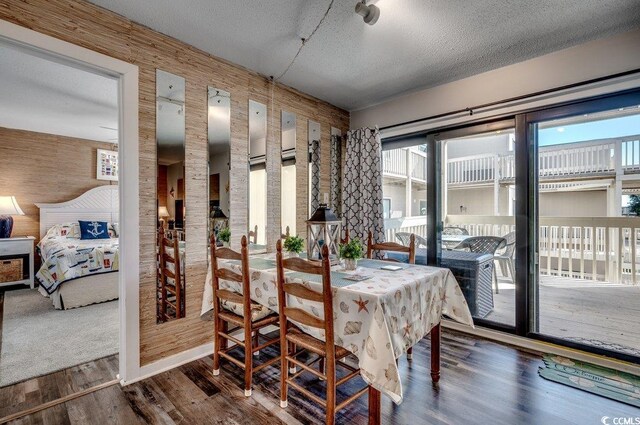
(258,311)
(312,344)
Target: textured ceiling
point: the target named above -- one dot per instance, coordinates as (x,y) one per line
(39,94)
(415,44)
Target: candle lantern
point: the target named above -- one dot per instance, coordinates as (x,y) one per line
(218,220)
(323,228)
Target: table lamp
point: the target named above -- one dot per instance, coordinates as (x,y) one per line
(163,213)
(8,207)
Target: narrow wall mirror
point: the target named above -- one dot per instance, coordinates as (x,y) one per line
(219,145)
(257,177)
(288,174)
(314,166)
(171,196)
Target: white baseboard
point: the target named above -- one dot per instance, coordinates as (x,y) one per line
(544,347)
(184,357)
(171,362)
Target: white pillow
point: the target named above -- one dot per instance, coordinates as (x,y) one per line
(69,230)
(116,229)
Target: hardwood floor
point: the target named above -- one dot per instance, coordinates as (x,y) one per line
(482,382)
(577,309)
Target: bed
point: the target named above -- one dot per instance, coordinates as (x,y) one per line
(76,272)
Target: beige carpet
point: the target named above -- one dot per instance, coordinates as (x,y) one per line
(37,339)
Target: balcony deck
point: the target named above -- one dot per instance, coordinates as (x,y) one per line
(602,314)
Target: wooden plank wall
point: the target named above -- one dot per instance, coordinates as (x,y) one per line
(92,27)
(38,167)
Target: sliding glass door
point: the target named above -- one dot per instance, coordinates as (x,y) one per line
(587,286)
(476,232)
(404,193)
(537,216)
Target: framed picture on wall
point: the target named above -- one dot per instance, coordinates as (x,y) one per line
(107,165)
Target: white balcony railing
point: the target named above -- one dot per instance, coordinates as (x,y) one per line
(594,248)
(591,248)
(571,159)
(394,162)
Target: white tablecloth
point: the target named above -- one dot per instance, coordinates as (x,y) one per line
(377,319)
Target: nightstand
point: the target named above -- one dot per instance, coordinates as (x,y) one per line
(16,261)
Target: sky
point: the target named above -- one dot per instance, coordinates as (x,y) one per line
(603,129)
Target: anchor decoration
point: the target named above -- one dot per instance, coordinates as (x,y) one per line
(94,230)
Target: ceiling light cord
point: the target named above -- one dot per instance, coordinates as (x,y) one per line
(304,42)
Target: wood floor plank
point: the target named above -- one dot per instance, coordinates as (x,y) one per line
(482,382)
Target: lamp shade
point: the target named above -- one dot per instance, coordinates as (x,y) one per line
(163,212)
(9,206)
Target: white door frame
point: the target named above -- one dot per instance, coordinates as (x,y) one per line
(129,275)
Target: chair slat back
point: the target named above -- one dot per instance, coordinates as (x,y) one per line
(253,235)
(393,247)
(298,290)
(346,239)
(226,274)
(452,230)
(169,253)
(482,244)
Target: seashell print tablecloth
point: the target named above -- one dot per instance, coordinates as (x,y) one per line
(376,319)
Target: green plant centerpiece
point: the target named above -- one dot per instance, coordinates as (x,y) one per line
(351,252)
(224,235)
(294,245)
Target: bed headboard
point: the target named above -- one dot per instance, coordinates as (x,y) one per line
(100,203)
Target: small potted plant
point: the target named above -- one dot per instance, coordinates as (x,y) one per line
(224,235)
(294,245)
(351,252)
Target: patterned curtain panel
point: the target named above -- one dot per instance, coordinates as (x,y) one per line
(336,175)
(362,185)
(315,176)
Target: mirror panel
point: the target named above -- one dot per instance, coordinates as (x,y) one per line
(257,177)
(171,195)
(288,174)
(219,153)
(314,166)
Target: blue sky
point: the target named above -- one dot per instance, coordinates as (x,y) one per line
(603,129)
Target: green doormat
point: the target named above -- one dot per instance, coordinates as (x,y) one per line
(598,380)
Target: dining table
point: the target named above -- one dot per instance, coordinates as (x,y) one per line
(377,318)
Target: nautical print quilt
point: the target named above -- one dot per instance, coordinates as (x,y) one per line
(65,259)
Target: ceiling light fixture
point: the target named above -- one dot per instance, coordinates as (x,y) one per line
(370,13)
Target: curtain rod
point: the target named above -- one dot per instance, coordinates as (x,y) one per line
(515,99)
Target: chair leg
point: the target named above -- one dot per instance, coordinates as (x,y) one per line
(495,278)
(292,350)
(331,394)
(284,370)
(410,353)
(217,347)
(256,341)
(248,361)
(512,270)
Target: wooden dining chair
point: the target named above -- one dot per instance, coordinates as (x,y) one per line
(170,285)
(292,338)
(237,310)
(346,239)
(394,247)
(253,235)
(286,234)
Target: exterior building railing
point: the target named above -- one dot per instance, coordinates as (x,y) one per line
(570,159)
(591,248)
(394,162)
